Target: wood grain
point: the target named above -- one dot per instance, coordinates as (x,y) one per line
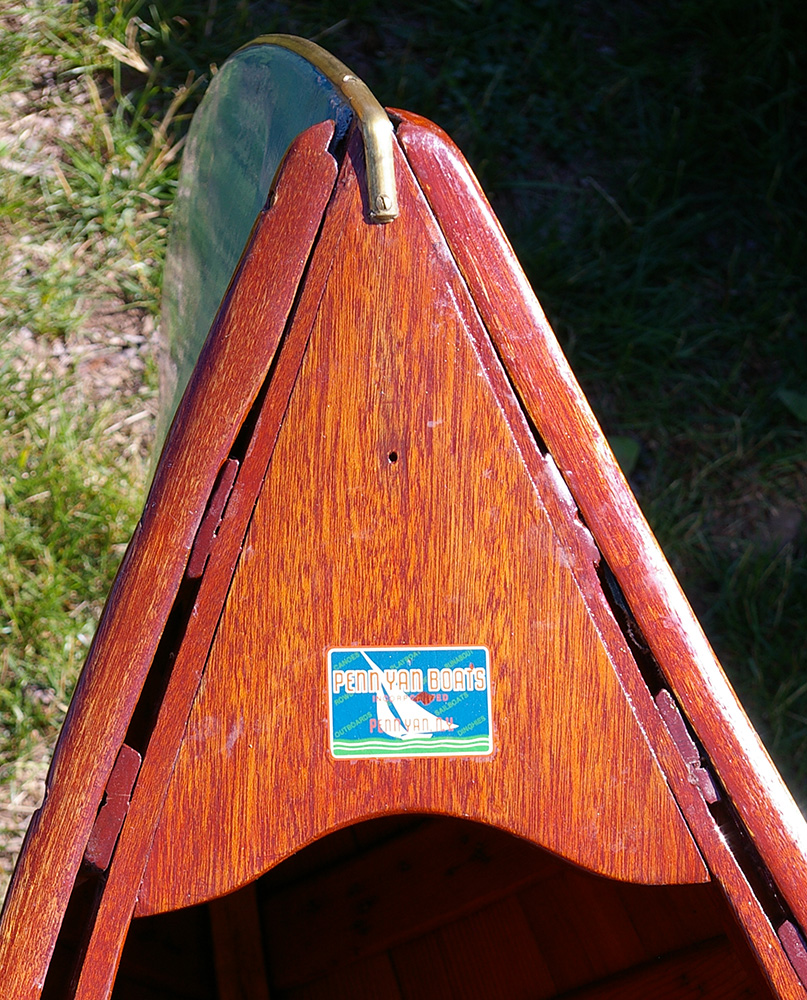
(710,970)
(493,953)
(451,542)
(227,380)
(108,823)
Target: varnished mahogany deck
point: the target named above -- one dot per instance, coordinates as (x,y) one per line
(466,536)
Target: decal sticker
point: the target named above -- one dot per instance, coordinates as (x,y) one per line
(410,701)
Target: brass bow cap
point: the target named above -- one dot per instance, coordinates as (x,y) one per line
(376,128)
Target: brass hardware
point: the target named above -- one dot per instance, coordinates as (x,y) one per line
(376,128)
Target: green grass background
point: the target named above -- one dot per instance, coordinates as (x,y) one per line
(648,163)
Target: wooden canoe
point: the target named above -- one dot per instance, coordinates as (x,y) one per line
(395,694)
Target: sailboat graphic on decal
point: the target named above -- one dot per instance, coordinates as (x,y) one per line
(401,716)
(409,701)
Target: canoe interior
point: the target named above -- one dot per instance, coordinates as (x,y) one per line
(416,906)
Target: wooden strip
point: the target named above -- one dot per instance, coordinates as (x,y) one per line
(794,944)
(420,968)
(110,817)
(673,917)
(126,872)
(550,912)
(206,535)
(582,927)
(686,745)
(238,946)
(405,887)
(564,420)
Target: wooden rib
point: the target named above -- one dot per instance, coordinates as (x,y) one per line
(688,915)
(369,980)
(492,953)
(420,968)
(581,921)
(238,946)
(710,970)
(227,380)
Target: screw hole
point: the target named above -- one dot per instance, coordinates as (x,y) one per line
(393,457)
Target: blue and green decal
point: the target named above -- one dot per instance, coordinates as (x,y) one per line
(410,701)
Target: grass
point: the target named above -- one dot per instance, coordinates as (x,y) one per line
(64,518)
(85,184)
(648,164)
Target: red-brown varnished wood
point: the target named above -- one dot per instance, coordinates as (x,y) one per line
(710,970)
(465,536)
(233,366)
(590,930)
(108,823)
(555,403)
(238,946)
(367,981)
(479,948)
